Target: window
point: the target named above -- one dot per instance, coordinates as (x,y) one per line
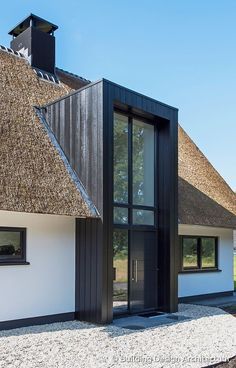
(190,253)
(12,245)
(120,158)
(143,163)
(143,217)
(134,201)
(199,253)
(208,255)
(120,215)
(120,267)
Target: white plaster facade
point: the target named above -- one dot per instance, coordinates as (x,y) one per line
(47,285)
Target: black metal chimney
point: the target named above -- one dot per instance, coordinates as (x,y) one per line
(34,37)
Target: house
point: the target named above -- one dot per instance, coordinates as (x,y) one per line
(89,214)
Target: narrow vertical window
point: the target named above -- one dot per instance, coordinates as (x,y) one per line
(208,252)
(143,163)
(190,253)
(120,158)
(120,267)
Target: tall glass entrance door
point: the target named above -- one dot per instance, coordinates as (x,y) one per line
(135,271)
(143,271)
(134,213)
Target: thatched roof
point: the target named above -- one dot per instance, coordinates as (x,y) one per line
(204,197)
(33,175)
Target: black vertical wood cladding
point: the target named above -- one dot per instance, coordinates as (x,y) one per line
(168,211)
(76,121)
(83,125)
(89,270)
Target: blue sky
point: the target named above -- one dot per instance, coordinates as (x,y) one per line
(180,52)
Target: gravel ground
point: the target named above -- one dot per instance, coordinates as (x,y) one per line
(207,338)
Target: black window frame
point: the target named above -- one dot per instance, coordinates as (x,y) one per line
(130,205)
(199,268)
(8,261)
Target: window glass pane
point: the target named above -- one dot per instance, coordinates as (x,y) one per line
(10,244)
(120,266)
(143,217)
(208,252)
(120,215)
(143,163)
(120,158)
(190,253)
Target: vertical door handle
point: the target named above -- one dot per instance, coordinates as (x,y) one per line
(135,270)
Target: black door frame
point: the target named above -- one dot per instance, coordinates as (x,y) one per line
(130,227)
(155,306)
(130,230)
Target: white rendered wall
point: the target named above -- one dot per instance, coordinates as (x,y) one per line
(209,282)
(47,285)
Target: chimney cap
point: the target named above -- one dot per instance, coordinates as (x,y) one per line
(38,22)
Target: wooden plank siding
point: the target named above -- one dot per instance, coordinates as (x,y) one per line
(76,122)
(90,271)
(83,124)
(168,251)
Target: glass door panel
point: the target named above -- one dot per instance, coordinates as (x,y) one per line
(120,267)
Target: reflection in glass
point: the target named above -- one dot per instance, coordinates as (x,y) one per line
(190,258)
(10,244)
(120,158)
(143,163)
(208,252)
(143,217)
(120,215)
(120,266)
